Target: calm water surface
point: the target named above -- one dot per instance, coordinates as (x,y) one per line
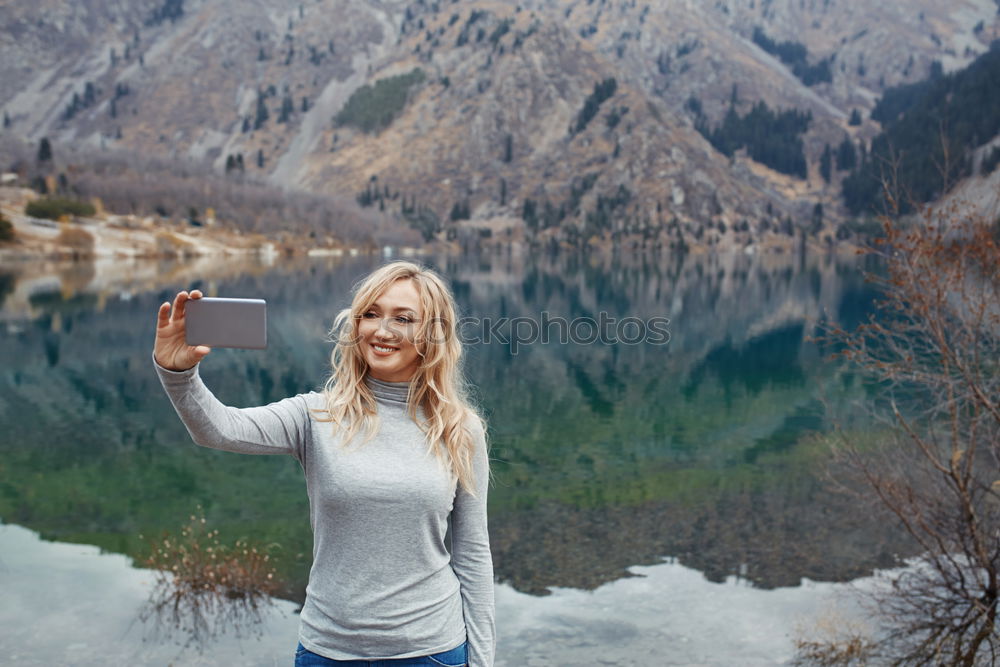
(707,450)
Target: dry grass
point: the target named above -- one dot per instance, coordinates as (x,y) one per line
(834,641)
(168,243)
(842,652)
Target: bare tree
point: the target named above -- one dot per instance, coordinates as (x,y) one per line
(933,348)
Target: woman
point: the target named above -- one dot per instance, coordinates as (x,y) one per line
(383,481)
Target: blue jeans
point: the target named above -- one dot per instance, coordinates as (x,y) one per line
(456,657)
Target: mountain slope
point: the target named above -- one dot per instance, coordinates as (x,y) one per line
(486,133)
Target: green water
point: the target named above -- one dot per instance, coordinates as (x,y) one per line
(708,448)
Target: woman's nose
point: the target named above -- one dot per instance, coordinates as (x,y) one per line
(384,330)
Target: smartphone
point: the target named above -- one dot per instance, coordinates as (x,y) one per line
(218,322)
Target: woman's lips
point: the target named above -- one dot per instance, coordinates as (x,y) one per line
(386,351)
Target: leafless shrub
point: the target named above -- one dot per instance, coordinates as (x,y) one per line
(205,588)
(934,351)
(78,240)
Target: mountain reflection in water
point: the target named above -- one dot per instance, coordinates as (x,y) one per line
(707,449)
(69,604)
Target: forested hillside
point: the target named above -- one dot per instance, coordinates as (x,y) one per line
(932,133)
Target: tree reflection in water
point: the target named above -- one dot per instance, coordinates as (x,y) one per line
(709,449)
(204,588)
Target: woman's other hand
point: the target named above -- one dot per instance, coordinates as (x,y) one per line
(171,349)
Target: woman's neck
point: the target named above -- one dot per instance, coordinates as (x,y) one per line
(393,392)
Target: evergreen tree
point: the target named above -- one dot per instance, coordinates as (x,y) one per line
(771,138)
(260,158)
(287,107)
(6,229)
(826,163)
(460,211)
(861,191)
(817,219)
(6,120)
(846,158)
(529,214)
(990,161)
(602,91)
(261,118)
(374,107)
(855,118)
(170,10)
(44,150)
(75,105)
(366,198)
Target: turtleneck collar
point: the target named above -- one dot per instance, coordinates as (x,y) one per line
(393,392)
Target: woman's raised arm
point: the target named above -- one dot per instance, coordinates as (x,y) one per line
(282,427)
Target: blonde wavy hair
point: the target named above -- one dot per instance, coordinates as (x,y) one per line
(437,387)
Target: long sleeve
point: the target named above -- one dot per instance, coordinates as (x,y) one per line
(471,559)
(278,428)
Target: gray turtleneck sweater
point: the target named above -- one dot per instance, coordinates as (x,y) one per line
(383,584)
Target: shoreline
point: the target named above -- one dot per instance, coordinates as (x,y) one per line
(112,236)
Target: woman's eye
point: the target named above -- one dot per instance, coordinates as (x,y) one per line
(368,315)
(403,320)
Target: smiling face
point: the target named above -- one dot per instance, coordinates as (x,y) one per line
(387,331)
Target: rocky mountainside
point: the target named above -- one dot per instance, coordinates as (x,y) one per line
(569,119)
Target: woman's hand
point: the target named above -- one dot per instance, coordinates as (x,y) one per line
(171,349)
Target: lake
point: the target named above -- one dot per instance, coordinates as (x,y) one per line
(702,453)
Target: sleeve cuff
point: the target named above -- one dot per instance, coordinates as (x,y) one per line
(168,375)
